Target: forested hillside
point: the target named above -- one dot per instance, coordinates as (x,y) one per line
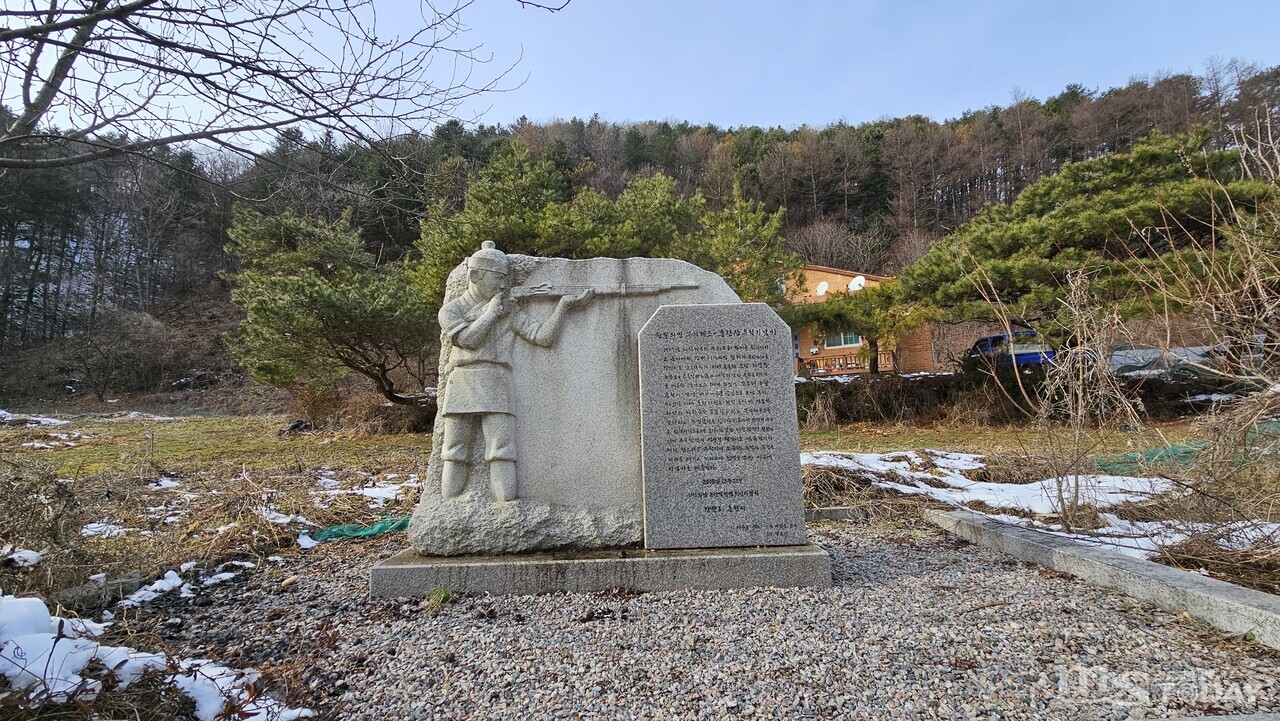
(85,245)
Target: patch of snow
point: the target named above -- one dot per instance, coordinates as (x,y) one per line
(828,379)
(378,494)
(186,567)
(136,416)
(22,558)
(217,578)
(78,627)
(163,483)
(33,421)
(165,584)
(306,541)
(1211,398)
(104,529)
(271,515)
(940,475)
(238,564)
(38,656)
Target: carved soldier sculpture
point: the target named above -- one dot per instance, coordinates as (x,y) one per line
(483,324)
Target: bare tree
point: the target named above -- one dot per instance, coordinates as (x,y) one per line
(830,243)
(85,80)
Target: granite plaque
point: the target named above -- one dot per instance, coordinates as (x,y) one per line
(720,443)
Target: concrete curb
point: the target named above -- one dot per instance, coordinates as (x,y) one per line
(1223,605)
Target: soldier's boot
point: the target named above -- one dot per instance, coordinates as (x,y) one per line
(502,479)
(454,479)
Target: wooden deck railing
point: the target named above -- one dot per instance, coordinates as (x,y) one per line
(851,363)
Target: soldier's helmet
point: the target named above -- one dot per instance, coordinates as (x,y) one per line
(489,258)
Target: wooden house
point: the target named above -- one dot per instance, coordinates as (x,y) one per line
(821,354)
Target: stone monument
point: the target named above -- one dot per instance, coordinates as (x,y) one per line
(536,480)
(720,437)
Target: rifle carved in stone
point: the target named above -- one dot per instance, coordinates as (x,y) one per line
(546,290)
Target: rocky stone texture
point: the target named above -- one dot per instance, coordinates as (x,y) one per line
(474,524)
(577,408)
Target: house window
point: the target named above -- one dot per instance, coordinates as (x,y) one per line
(842,339)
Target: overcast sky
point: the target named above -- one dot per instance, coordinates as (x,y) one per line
(815,62)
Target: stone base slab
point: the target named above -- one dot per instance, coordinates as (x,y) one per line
(410,573)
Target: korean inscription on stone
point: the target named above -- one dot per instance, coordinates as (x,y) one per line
(719,435)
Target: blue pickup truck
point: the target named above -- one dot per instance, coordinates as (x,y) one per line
(1011,349)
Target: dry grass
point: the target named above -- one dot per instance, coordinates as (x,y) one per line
(1014,439)
(826,487)
(1257,568)
(233,473)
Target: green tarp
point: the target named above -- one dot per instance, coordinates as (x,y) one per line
(1180,454)
(358,530)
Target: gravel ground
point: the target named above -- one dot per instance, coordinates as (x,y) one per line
(919,625)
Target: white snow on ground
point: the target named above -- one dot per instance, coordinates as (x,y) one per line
(305,541)
(163,585)
(162,483)
(851,377)
(378,493)
(47,657)
(20,557)
(1212,397)
(271,515)
(940,475)
(104,529)
(1143,539)
(58,440)
(173,580)
(33,421)
(135,416)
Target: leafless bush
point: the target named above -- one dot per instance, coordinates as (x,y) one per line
(1079,395)
(121,351)
(820,415)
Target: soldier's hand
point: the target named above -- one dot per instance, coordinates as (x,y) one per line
(577,299)
(498,305)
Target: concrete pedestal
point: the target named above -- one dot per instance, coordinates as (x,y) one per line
(409,573)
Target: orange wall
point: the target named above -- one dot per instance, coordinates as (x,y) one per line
(914,353)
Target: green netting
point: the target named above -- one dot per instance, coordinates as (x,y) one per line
(1180,454)
(1264,432)
(359,530)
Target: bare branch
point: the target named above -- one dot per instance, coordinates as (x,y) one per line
(547,6)
(137,74)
